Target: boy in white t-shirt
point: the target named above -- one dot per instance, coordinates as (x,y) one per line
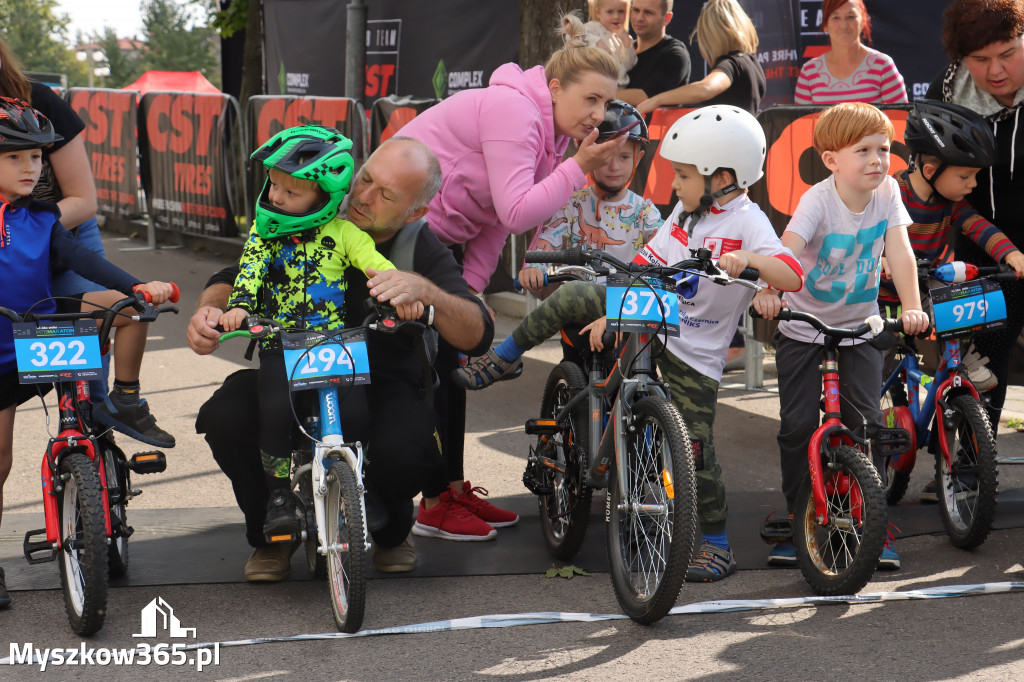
(839,231)
(716,152)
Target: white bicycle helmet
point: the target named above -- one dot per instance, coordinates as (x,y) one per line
(718,136)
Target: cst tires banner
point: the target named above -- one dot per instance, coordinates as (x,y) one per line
(187,164)
(390,113)
(110,118)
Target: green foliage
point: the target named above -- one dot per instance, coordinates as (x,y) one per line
(124,67)
(37,34)
(1015,423)
(177,40)
(232,19)
(567,572)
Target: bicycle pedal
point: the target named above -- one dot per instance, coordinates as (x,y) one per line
(152,462)
(31,548)
(534,486)
(283,537)
(777,532)
(542,427)
(892,442)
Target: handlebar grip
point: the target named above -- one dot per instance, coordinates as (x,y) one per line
(570,256)
(173,298)
(784,314)
(235,334)
(750,274)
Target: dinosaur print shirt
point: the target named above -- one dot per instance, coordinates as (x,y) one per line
(620,228)
(302,283)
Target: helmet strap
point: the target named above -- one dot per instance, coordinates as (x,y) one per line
(707,201)
(935,176)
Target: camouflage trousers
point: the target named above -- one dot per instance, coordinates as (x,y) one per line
(571,302)
(696,397)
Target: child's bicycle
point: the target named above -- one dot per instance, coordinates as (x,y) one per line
(965,462)
(327,472)
(839,517)
(620,431)
(86,478)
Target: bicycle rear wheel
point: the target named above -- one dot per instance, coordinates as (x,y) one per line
(346,553)
(83,540)
(565,512)
(896,414)
(651,524)
(967,490)
(117,491)
(841,556)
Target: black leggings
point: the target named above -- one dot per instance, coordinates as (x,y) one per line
(396,428)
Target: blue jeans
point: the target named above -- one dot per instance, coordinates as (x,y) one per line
(70,283)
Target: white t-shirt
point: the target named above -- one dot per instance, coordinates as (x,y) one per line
(620,229)
(842,260)
(708,319)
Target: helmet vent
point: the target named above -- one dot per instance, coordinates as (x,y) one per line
(718,117)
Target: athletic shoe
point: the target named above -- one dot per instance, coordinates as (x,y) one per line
(281,524)
(450,520)
(485,370)
(929,493)
(270,564)
(889,560)
(133,420)
(978,372)
(783,554)
(484,510)
(711,564)
(5,597)
(395,559)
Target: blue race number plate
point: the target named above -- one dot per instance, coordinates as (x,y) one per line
(966,307)
(315,360)
(57,351)
(641,305)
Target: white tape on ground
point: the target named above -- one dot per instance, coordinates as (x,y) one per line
(1009,460)
(545,617)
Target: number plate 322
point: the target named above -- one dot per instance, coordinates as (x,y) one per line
(52,351)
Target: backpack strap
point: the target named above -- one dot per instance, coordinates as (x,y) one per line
(401,256)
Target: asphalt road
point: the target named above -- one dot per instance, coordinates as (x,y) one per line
(979,637)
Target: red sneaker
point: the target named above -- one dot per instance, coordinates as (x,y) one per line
(482,509)
(450,520)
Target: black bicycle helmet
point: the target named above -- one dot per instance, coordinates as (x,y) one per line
(22,127)
(619,115)
(955,134)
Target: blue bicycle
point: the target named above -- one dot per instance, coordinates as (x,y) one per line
(950,418)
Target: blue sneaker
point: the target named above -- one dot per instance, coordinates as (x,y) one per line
(783,554)
(889,560)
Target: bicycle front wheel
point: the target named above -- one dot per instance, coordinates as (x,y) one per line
(117,492)
(83,541)
(840,556)
(565,511)
(651,524)
(346,553)
(967,489)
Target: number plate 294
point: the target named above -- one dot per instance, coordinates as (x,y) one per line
(315,360)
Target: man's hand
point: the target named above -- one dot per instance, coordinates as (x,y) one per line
(202,338)
(397,288)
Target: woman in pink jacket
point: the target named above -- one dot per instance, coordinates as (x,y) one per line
(501,148)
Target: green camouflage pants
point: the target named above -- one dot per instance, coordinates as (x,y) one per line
(696,397)
(571,302)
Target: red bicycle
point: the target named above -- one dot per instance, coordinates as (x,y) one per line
(86,477)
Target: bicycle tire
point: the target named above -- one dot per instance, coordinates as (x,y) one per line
(840,558)
(967,492)
(896,482)
(346,569)
(116,468)
(565,513)
(83,538)
(316,562)
(648,556)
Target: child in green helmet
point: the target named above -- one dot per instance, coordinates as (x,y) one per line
(292,270)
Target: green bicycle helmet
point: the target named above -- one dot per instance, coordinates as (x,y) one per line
(309,153)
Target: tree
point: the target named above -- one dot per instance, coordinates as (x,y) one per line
(235,16)
(175,39)
(37,34)
(538,20)
(124,68)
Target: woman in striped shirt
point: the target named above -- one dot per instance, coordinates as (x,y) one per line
(850,71)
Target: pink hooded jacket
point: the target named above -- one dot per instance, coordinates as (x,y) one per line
(500,159)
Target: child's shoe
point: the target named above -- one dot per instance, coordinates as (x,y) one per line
(485,370)
(889,560)
(281,523)
(977,370)
(133,420)
(783,554)
(711,564)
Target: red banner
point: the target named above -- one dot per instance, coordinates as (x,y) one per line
(390,114)
(110,118)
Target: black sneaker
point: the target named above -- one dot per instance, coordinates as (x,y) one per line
(5,598)
(281,523)
(133,420)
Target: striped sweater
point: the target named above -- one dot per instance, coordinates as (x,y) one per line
(934,220)
(875,80)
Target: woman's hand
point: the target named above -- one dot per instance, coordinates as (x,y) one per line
(233,319)
(592,154)
(531,279)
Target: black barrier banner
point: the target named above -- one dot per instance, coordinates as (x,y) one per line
(110,118)
(793,166)
(267,115)
(422,49)
(390,114)
(185,161)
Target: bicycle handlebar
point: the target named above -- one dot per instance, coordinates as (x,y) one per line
(959,271)
(874,324)
(382,318)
